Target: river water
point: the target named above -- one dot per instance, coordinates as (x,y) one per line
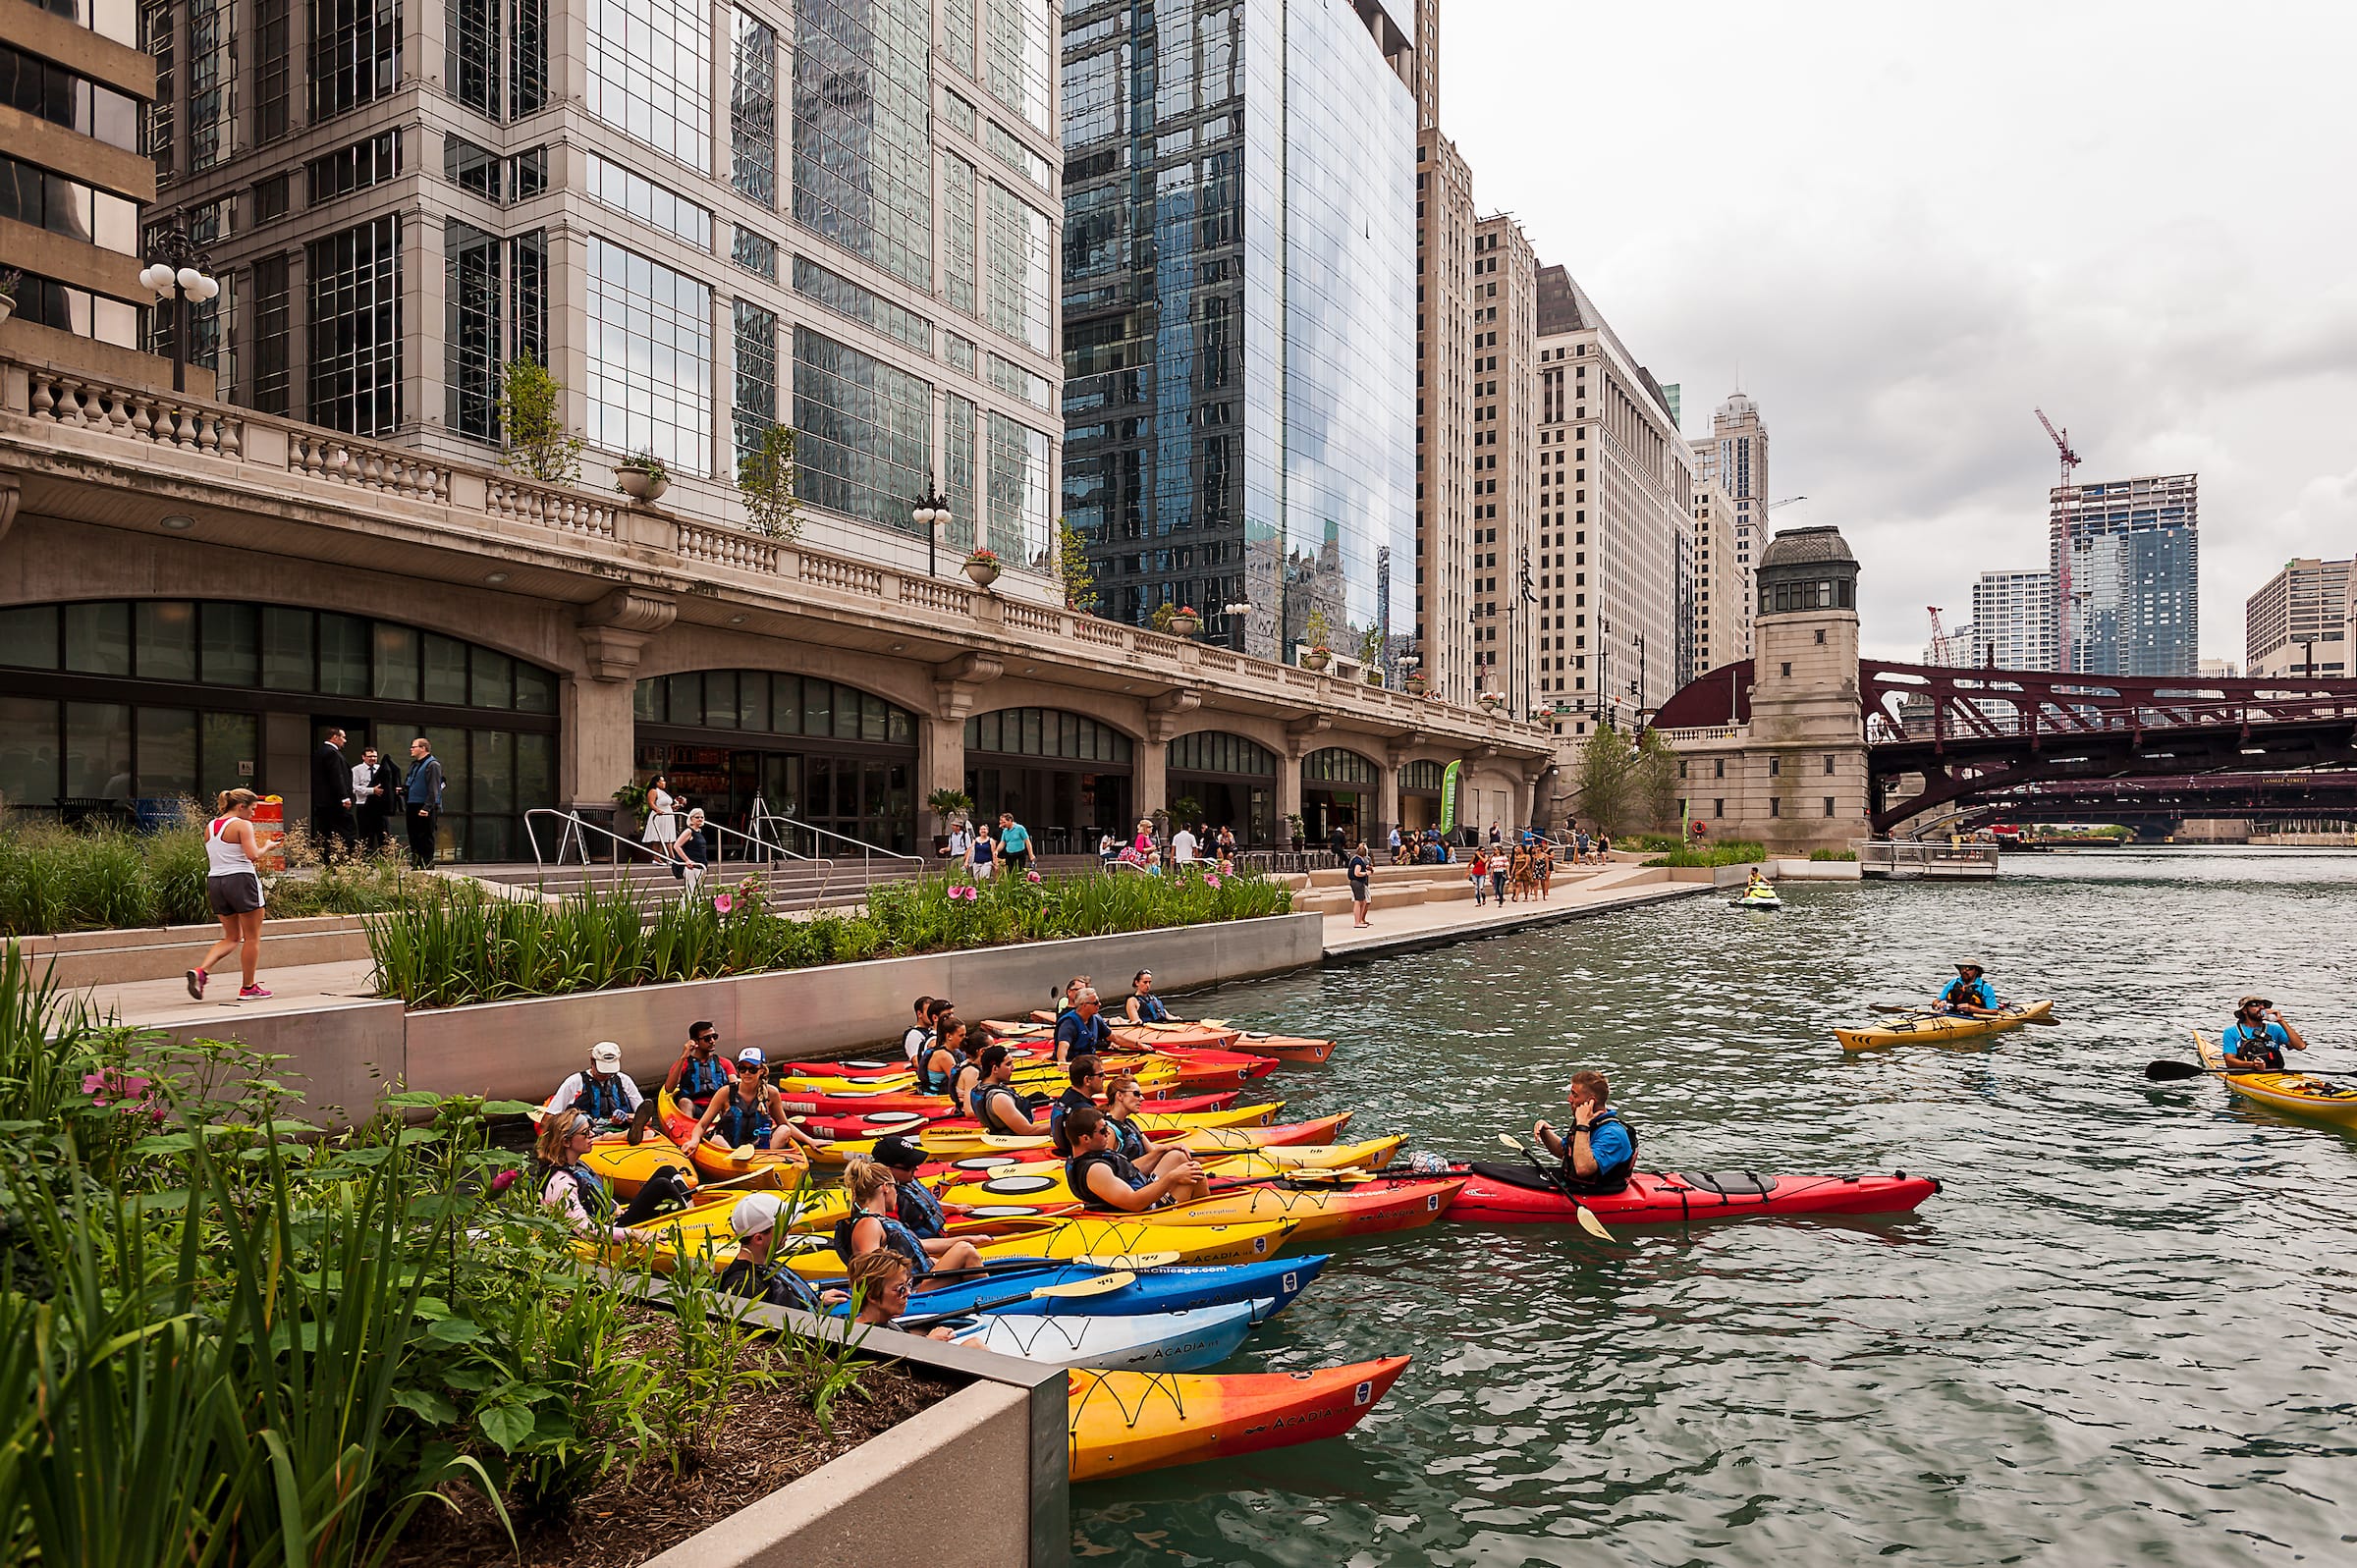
(2122,1334)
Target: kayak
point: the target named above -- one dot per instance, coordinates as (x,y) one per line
(995,1178)
(626,1167)
(1173,1035)
(1510,1195)
(1170,1036)
(700,1227)
(1105,1240)
(1328,1210)
(1148,1342)
(906,1107)
(2293,1093)
(1120,1423)
(764,1170)
(1266,1286)
(1201,1140)
(1938,1029)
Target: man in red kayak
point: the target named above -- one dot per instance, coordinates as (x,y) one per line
(2253,1043)
(1600,1152)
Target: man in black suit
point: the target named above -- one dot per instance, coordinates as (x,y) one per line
(331,822)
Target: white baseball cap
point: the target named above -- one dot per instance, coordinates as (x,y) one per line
(756,1212)
(605,1055)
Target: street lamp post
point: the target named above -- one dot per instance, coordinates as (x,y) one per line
(1243,608)
(178,274)
(932,511)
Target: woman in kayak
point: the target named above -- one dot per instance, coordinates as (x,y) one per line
(879,1282)
(751,1113)
(1600,1152)
(875,1221)
(1143,1006)
(913,1202)
(943,1057)
(1104,1180)
(1121,1104)
(1969,995)
(2253,1043)
(580,1195)
(993,1100)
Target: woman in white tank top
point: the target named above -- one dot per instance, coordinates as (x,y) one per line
(233,887)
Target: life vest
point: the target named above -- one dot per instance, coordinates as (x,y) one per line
(703,1077)
(1090,1037)
(1150,1009)
(979,1102)
(778,1286)
(602,1099)
(920,1212)
(1076,1176)
(1063,1106)
(1129,1142)
(896,1236)
(745,1123)
(1610,1178)
(597,1199)
(1961,992)
(929,1082)
(2252,1044)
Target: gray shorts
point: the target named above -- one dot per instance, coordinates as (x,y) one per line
(238,894)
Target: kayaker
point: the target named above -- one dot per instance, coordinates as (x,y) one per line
(1072,988)
(926,1217)
(1969,995)
(1121,1104)
(875,1221)
(754,1222)
(1102,1179)
(880,1283)
(1087,1077)
(580,1195)
(944,1057)
(1083,1031)
(913,1039)
(701,1070)
(605,1092)
(751,1111)
(1601,1149)
(993,1101)
(1143,1006)
(2253,1043)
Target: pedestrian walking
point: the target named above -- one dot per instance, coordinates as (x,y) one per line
(690,854)
(981,856)
(662,829)
(1498,875)
(233,891)
(331,822)
(421,801)
(375,789)
(1480,878)
(1015,843)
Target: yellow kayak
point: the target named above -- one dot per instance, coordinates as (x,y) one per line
(1042,1181)
(625,1165)
(1043,1076)
(1087,1236)
(702,1227)
(2295,1094)
(1939,1029)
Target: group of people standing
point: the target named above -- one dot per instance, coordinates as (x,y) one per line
(354,804)
(1195,846)
(981,850)
(1523,873)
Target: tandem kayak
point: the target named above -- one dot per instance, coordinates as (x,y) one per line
(1515,1195)
(1938,1029)
(2295,1094)
(1186,1340)
(1120,1423)
(1267,1286)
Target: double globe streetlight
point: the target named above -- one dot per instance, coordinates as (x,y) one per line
(178,274)
(932,515)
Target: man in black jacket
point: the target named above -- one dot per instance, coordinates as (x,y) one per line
(421,801)
(331,822)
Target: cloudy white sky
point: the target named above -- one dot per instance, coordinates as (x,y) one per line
(1910,226)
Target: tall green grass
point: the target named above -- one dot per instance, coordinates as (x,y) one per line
(445,950)
(1734,852)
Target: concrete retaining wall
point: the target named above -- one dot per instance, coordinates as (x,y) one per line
(343,1057)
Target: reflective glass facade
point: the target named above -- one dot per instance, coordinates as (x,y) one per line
(650,359)
(862,130)
(867,432)
(650,73)
(1019,291)
(1239,311)
(753,108)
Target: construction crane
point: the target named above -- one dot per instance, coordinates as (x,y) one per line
(1939,653)
(2060,521)
(1788,501)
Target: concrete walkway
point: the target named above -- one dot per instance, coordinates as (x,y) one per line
(299,988)
(1413,926)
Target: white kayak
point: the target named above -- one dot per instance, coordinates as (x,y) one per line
(1153,1342)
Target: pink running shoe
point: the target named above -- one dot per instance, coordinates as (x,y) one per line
(196,980)
(253,992)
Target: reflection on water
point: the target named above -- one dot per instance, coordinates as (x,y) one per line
(2123,1333)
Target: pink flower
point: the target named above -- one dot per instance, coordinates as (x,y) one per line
(1030,875)
(723,902)
(1211,880)
(963,890)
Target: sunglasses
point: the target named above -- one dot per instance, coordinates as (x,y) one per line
(705,1040)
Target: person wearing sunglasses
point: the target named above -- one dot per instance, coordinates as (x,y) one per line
(2255,1042)
(580,1195)
(752,1114)
(701,1070)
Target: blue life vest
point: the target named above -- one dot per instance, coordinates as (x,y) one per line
(601,1098)
(2263,1044)
(745,1123)
(929,1082)
(1151,1011)
(1064,1105)
(703,1078)
(896,1236)
(1076,1035)
(922,1212)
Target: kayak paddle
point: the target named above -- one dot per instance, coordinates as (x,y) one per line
(1587,1215)
(2176,1072)
(1130,1261)
(1916,1011)
(1098,1286)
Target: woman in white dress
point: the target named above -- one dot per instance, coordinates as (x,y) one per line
(661,831)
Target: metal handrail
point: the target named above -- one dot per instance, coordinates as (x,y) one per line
(761,817)
(576,829)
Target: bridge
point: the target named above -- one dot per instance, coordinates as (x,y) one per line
(2132,746)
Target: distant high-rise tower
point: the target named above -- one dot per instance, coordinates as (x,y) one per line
(2013,621)
(1443,415)
(1736,454)
(1504,547)
(2298,621)
(2136,574)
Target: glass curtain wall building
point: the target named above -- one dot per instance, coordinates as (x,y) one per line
(1239,310)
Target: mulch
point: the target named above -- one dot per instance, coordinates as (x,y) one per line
(769,1438)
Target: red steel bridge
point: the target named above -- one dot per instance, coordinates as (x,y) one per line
(1946,737)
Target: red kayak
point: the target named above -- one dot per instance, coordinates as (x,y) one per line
(908,1106)
(1518,1195)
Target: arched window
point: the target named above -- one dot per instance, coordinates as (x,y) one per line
(1047,732)
(1425,775)
(1212,752)
(1336,766)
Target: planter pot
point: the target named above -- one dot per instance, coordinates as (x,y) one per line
(1316,659)
(1185,626)
(640,485)
(983,572)
(7,307)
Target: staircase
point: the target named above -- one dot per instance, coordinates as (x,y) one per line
(785,884)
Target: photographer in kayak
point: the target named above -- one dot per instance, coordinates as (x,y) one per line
(1600,1152)
(1969,995)
(2254,1045)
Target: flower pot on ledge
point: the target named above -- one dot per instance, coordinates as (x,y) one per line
(640,484)
(983,572)
(1316,659)
(1185,626)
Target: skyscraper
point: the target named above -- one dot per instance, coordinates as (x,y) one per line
(1736,454)
(1445,507)
(2298,621)
(2136,574)
(1721,613)
(1505,556)
(2013,621)
(1239,309)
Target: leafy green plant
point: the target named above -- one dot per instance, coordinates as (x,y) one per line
(1315,629)
(1734,852)
(532,415)
(1833,855)
(765,480)
(1077,572)
(1602,778)
(948,803)
(646,462)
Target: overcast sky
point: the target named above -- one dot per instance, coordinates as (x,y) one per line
(1910,226)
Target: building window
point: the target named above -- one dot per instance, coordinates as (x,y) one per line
(354,328)
(354,168)
(625,190)
(958,240)
(527,59)
(63,308)
(472,70)
(756,400)
(356,53)
(1776,808)
(650,359)
(210,70)
(473,168)
(271,71)
(1020,256)
(1029,385)
(1018,493)
(530,271)
(650,73)
(1775,767)
(753,108)
(958,35)
(960,424)
(862,132)
(270,317)
(1786,668)
(472,291)
(1017,39)
(53,94)
(848,299)
(1010,151)
(1719,768)
(866,445)
(1828,805)
(1718,808)
(756,253)
(43,200)
(1828,766)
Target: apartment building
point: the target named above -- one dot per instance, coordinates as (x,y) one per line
(2298,621)
(1721,583)
(2134,575)
(1736,454)
(1444,551)
(1503,554)
(2013,621)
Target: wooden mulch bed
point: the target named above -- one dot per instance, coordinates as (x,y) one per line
(768,1439)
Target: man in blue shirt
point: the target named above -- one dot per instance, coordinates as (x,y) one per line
(1015,843)
(2252,1044)
(1600,1150)
(421,795)
(1969,993)
(1080,1031)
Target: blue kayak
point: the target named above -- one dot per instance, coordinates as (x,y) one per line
(1269,1283)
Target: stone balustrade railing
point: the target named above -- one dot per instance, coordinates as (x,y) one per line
(573,517)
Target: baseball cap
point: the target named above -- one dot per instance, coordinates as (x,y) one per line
(751,1056)
(756,1212)
(899,1152)
(605,1055)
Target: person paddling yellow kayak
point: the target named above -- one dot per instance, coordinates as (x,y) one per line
(2253,1043)
(1969,995)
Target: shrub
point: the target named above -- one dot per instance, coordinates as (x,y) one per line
(1734,852)
(1833,855)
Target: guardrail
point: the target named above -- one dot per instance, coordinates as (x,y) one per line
(1907,858)
(573,831)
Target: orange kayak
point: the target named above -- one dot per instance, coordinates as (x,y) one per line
(1179,1036)
(1120,1423)
(776,1170)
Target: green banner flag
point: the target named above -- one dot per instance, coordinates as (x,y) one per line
(1449,797)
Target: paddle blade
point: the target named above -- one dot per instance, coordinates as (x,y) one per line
(1510,1141)
(1593,1225)
(744,1151)
(1099,1285)
(2172,1071)
(1126,1261)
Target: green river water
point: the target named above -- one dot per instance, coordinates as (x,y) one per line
(2123,1334)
